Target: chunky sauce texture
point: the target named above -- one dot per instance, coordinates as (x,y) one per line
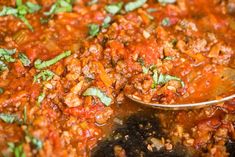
(65,65)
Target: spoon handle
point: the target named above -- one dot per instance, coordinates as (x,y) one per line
(181,106)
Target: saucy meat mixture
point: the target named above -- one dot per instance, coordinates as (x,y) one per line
(64,67)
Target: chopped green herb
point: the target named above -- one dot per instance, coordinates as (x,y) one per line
(174,42)
(93,91)
(166,1)
(166,22)
(114,8)
(41,98)
(44,20)
(1,90)
(155,78)
(163,79)
(36,142)
(24,59)
(3,66)
(45,75)
(8,118)
(145,70)
(8,11)
(106,22)
(60,6)
(92,2)
(130,6)
(141,61)
(17,150)
(93,29)
(39,64)
(5,54)
(20,11)
(25,115)
(151,10)
(168,58)
(32,7)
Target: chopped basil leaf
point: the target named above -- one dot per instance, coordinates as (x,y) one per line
(8,11)
(106,22)
(166,22)
(24,59)
(1,90)
(145,70)
(8,118)
(37,143)
(114,8)
(93,91)
(44,20)
(45,75)
(130,6)
(20,11)
(33,7)
(163,79)
(60,6)
(166,1)
(26,22)
(93,29)
(17,150)
(92,2)
(18,2)
(39,64)
(141,61)
(5,54)
(168,58)
(151,10)
(3,66)
(41,98)
(155,78)
(25,115)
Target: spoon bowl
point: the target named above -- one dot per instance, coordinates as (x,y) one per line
(221,93)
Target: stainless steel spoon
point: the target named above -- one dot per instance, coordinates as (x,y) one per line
(181,106)
(227,74)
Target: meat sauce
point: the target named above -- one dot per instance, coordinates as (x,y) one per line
(65,65)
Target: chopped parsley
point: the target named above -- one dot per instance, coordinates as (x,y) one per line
(24,59)
(44,75)
(39,64)
(93,91)
(114,8)
(17,150)
(9,118)
(21,10)
(60,6)
(94,29)
(130,6)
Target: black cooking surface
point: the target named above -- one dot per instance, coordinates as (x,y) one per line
(133,138)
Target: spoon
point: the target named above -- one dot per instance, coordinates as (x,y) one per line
(227,74)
